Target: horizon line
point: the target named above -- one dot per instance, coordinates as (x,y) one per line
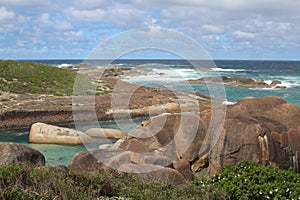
(178,59)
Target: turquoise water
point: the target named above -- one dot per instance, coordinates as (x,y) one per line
(172,74)
(60,154)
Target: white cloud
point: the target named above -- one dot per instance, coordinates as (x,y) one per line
(212,28)
(9,20)
(243,34)
(46,21)
(95,15)
(6,15)
(28,3)
(224,24)
(62,25)
(90,4)
(121,15)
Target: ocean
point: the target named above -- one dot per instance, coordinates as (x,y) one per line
(172,74)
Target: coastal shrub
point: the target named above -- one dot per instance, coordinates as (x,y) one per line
(246,180)
(252,181)
(23,182)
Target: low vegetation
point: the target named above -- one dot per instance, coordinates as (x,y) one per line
(249,180)
(243,181)
(22,182)
(27,77)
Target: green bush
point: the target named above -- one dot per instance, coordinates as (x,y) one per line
(251,181)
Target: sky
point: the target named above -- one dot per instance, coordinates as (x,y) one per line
(226,29)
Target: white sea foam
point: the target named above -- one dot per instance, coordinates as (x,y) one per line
(268,82)
(168,74)
(217,69)
(285,84)
(288,81)
(64,65)
(228,103)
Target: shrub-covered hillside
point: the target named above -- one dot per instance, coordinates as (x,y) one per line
(26,77)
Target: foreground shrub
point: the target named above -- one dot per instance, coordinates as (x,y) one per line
(251,181)
(246,180)
(23,182)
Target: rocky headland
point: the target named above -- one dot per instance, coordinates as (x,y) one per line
(20,109)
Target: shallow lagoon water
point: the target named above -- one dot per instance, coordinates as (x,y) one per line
(61,154)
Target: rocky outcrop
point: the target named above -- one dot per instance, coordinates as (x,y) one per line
(263,130)
(238,81)
(47,134)
(172,147)
(160,149)
(12,153)
(19,111)
(105,133)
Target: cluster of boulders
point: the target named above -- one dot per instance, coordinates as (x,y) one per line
(263,130)
(175,148)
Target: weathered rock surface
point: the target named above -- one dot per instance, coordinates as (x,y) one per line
(238,81)
(105,133)
(253,106)
(264,130)
(95,159)
(84,161)
(166,175)
(48,134)
(12,153)
(148,167)
(155,173)
(183,166)
(180,135)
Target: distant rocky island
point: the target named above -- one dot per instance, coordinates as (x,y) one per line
(238,81)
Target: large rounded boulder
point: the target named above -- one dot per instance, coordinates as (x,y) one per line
(12,153)
(48,134)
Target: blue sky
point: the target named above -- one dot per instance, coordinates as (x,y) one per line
(226,29)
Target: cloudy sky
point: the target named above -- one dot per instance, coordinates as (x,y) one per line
(226,29)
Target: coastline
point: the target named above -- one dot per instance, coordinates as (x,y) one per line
(25,109)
